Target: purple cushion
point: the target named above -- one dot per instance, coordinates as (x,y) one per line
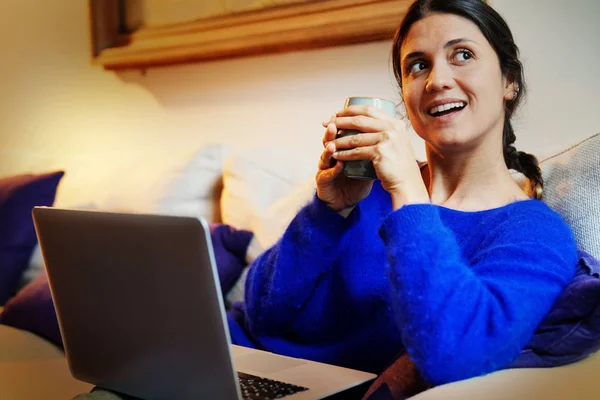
(571,330)
(229,245)
(18,195)
(32,308)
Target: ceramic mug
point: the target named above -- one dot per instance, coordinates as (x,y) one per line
(364,169)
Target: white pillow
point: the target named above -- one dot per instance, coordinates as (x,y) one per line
(186,183)
(572,188)
(263,190)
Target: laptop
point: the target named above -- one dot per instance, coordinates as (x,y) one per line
(140,313)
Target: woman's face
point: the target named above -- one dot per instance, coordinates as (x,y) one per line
(452,85)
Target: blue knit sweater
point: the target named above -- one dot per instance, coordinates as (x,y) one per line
(462,292)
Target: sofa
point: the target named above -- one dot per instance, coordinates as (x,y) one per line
(259,190)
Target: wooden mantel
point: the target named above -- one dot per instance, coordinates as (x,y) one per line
(310,25)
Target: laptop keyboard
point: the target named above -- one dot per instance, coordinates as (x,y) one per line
(254,387)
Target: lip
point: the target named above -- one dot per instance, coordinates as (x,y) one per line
(445,119)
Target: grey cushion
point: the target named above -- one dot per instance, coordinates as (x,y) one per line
(572,188)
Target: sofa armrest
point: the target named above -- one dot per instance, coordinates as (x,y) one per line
(32,368)
(574,381)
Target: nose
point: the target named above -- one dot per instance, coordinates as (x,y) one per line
(440,78)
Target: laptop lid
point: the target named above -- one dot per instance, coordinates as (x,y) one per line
(122,284)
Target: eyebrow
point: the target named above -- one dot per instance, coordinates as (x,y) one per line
(450,43)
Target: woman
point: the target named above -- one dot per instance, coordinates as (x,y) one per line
(453,264)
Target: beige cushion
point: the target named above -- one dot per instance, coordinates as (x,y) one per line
(264,188)
(572,188)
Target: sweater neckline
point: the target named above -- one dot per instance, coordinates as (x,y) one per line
(423,164)
(449,210)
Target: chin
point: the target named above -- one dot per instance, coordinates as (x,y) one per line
(447,137)
(451,142)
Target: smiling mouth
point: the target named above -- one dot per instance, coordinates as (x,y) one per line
(445,109)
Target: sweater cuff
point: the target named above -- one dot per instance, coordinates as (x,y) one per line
(331,221)
(400,225)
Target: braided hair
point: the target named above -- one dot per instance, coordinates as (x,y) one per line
(498,34)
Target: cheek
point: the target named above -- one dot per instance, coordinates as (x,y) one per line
(411,101)
(490,98)
(477,84)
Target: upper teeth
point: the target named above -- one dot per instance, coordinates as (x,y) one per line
(447,106)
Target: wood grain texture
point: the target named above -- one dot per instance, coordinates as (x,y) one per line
(279,29)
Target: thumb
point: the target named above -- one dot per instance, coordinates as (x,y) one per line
(334,172)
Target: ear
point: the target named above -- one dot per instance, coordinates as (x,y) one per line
(511,89)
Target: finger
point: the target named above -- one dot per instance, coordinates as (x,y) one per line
(330,174)
(359,140)
(366,110)
(359,153)
(330,133)
(325,160)
(362,123)
(328,120)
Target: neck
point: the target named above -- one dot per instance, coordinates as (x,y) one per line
(471,181)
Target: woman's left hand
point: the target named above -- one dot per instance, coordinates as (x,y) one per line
(386,143)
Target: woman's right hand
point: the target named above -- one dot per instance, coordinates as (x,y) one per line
(340,193)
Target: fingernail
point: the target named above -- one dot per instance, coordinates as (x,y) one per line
(335,155)
(327,121)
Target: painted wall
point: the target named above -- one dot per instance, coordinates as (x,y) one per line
(59,111)
(560,51)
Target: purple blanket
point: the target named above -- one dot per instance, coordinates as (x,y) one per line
(571,331)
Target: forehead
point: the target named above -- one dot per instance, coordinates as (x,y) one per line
(435,30)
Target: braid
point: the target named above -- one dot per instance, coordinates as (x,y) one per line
(522,162)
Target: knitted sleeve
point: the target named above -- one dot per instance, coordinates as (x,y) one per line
(461,319)
(283,279)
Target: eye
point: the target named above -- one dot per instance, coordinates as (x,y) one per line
(462,56)
(416,67)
